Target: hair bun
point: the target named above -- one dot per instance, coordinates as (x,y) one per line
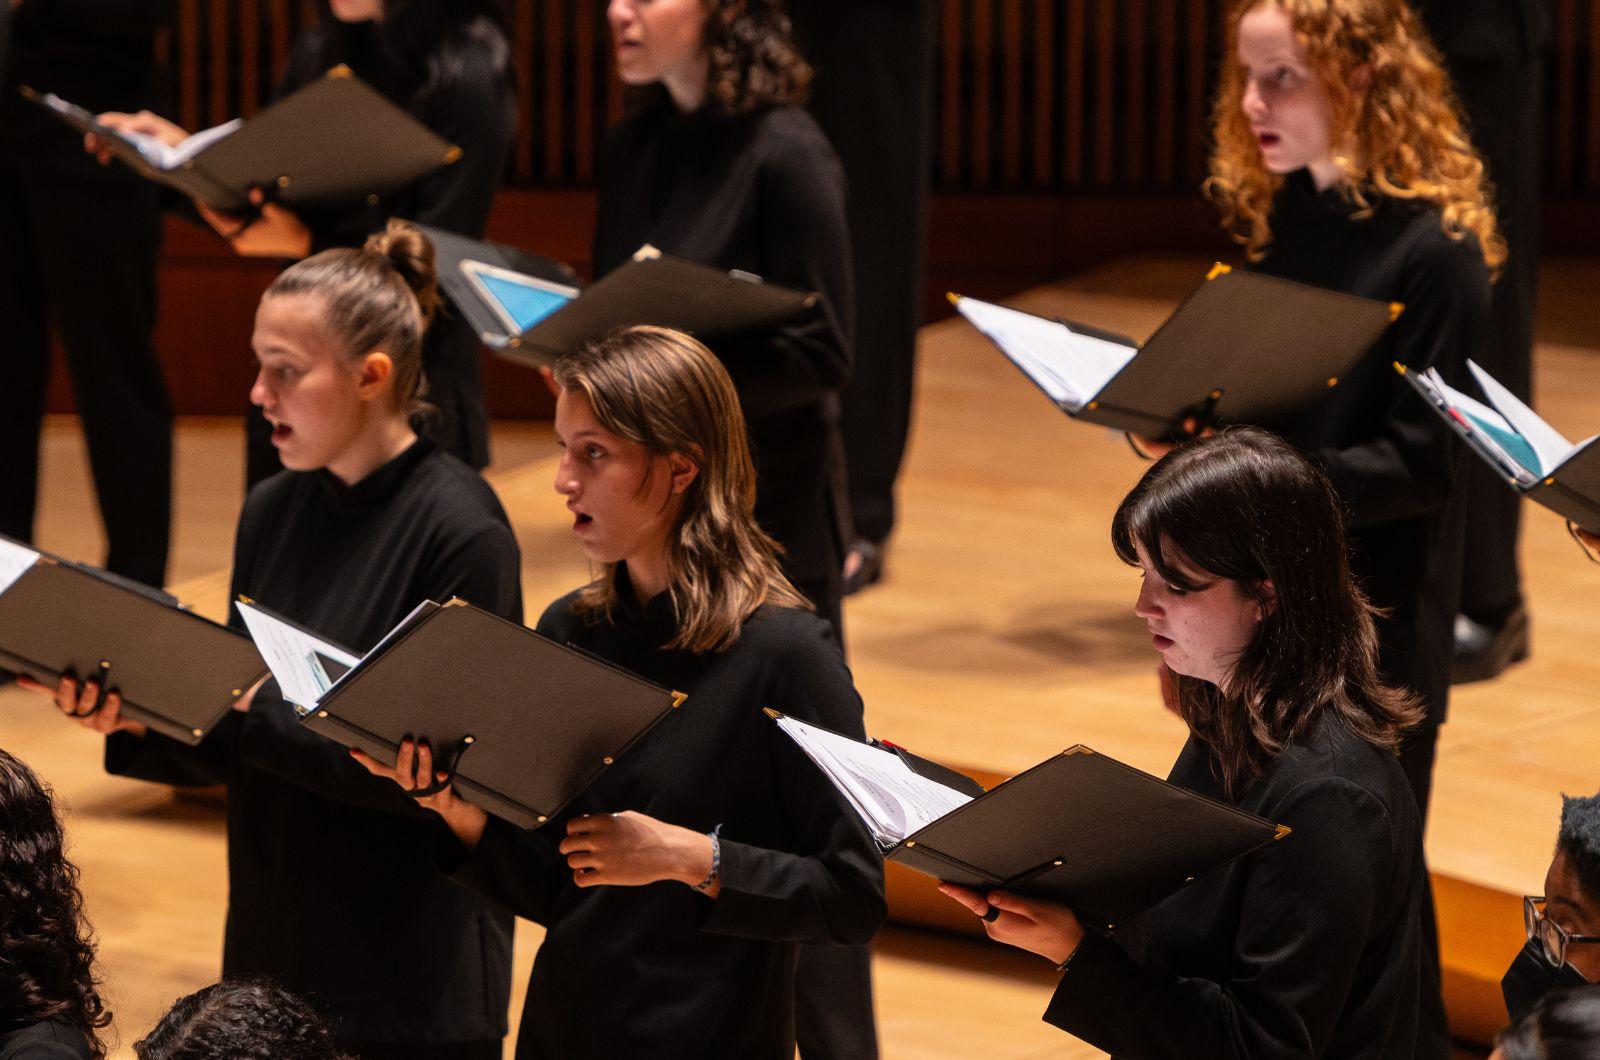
(411,255)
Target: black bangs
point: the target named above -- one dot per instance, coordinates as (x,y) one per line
(1179,514)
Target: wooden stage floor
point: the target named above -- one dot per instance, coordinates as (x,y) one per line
(1003,633)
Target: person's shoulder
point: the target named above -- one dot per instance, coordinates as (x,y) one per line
(46,1040)
(560,621)
(789,136)
(790,635)
(458,493)
(1437,252)
(274,492)
(1331,763)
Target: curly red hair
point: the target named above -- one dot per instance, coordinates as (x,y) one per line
(1402,129)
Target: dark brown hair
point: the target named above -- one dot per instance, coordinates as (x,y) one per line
(754,60)
(379,297)
(663,390)
(46,948)
(240,1020)
(1246,506)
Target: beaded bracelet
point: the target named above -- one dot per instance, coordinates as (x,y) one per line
(716,860)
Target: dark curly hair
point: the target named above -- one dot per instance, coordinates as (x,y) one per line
(239,1020)
(46,948)
(754,60)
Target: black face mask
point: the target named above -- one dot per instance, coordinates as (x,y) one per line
(1530,978)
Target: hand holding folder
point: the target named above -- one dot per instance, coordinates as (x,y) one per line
(1242,348)
(335,140)
(59,618)
(1081,828)
(522,724)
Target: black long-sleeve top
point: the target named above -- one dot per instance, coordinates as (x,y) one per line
(661,970)
(1310,947)
(475,110)
(332,888)
(765,193)
(1388,455)
(46,1040)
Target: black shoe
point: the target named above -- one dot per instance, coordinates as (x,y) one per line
(863,566)
(1484,651)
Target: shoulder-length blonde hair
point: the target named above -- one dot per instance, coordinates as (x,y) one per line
(1401,134)
(663,390)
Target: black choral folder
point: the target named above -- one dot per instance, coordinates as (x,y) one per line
(651,288)
(526,722)
(1082,829)
(336,139)
(1563,477)
(178,673)
(1241,348)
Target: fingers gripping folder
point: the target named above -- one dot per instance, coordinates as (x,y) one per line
(542,720)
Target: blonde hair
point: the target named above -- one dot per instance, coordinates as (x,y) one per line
(1403,130)
(379,297)
(663,390)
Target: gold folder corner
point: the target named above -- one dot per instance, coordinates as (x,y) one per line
(1395,309)
(1218,269)
(774,715)
(1283,830)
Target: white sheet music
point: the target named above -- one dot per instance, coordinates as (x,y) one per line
(891,799)
(1552,447)
(1070,367)
(294,657)
(158,154)
(15,560)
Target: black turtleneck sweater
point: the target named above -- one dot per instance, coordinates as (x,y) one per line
(475,110)
(765,193)
(1312,946)
(332,889)
(1390,458)
(661,970)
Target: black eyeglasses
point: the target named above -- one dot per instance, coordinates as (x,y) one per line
(1553,938)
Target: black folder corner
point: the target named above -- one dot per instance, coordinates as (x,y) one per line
(451,250)
(336,139)
(534,722)
(1082,829)
(62,617)
(1088,831)
(1242,348)
(651,288)
(1571,490)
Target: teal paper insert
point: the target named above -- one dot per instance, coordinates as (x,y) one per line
(528,304)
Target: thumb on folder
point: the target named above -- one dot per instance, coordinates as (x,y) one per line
(1047,928)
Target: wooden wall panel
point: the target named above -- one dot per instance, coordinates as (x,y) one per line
(1033,95)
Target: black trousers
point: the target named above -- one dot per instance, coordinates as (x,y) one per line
(1501,95)
(78,248)
(873,96)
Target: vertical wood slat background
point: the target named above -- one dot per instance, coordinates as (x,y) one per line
(1033,95)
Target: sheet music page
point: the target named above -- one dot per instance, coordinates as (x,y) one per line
(1071,368)
(15,560)
(1553,449)
(1500,441)
(298,660)
(894,801)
